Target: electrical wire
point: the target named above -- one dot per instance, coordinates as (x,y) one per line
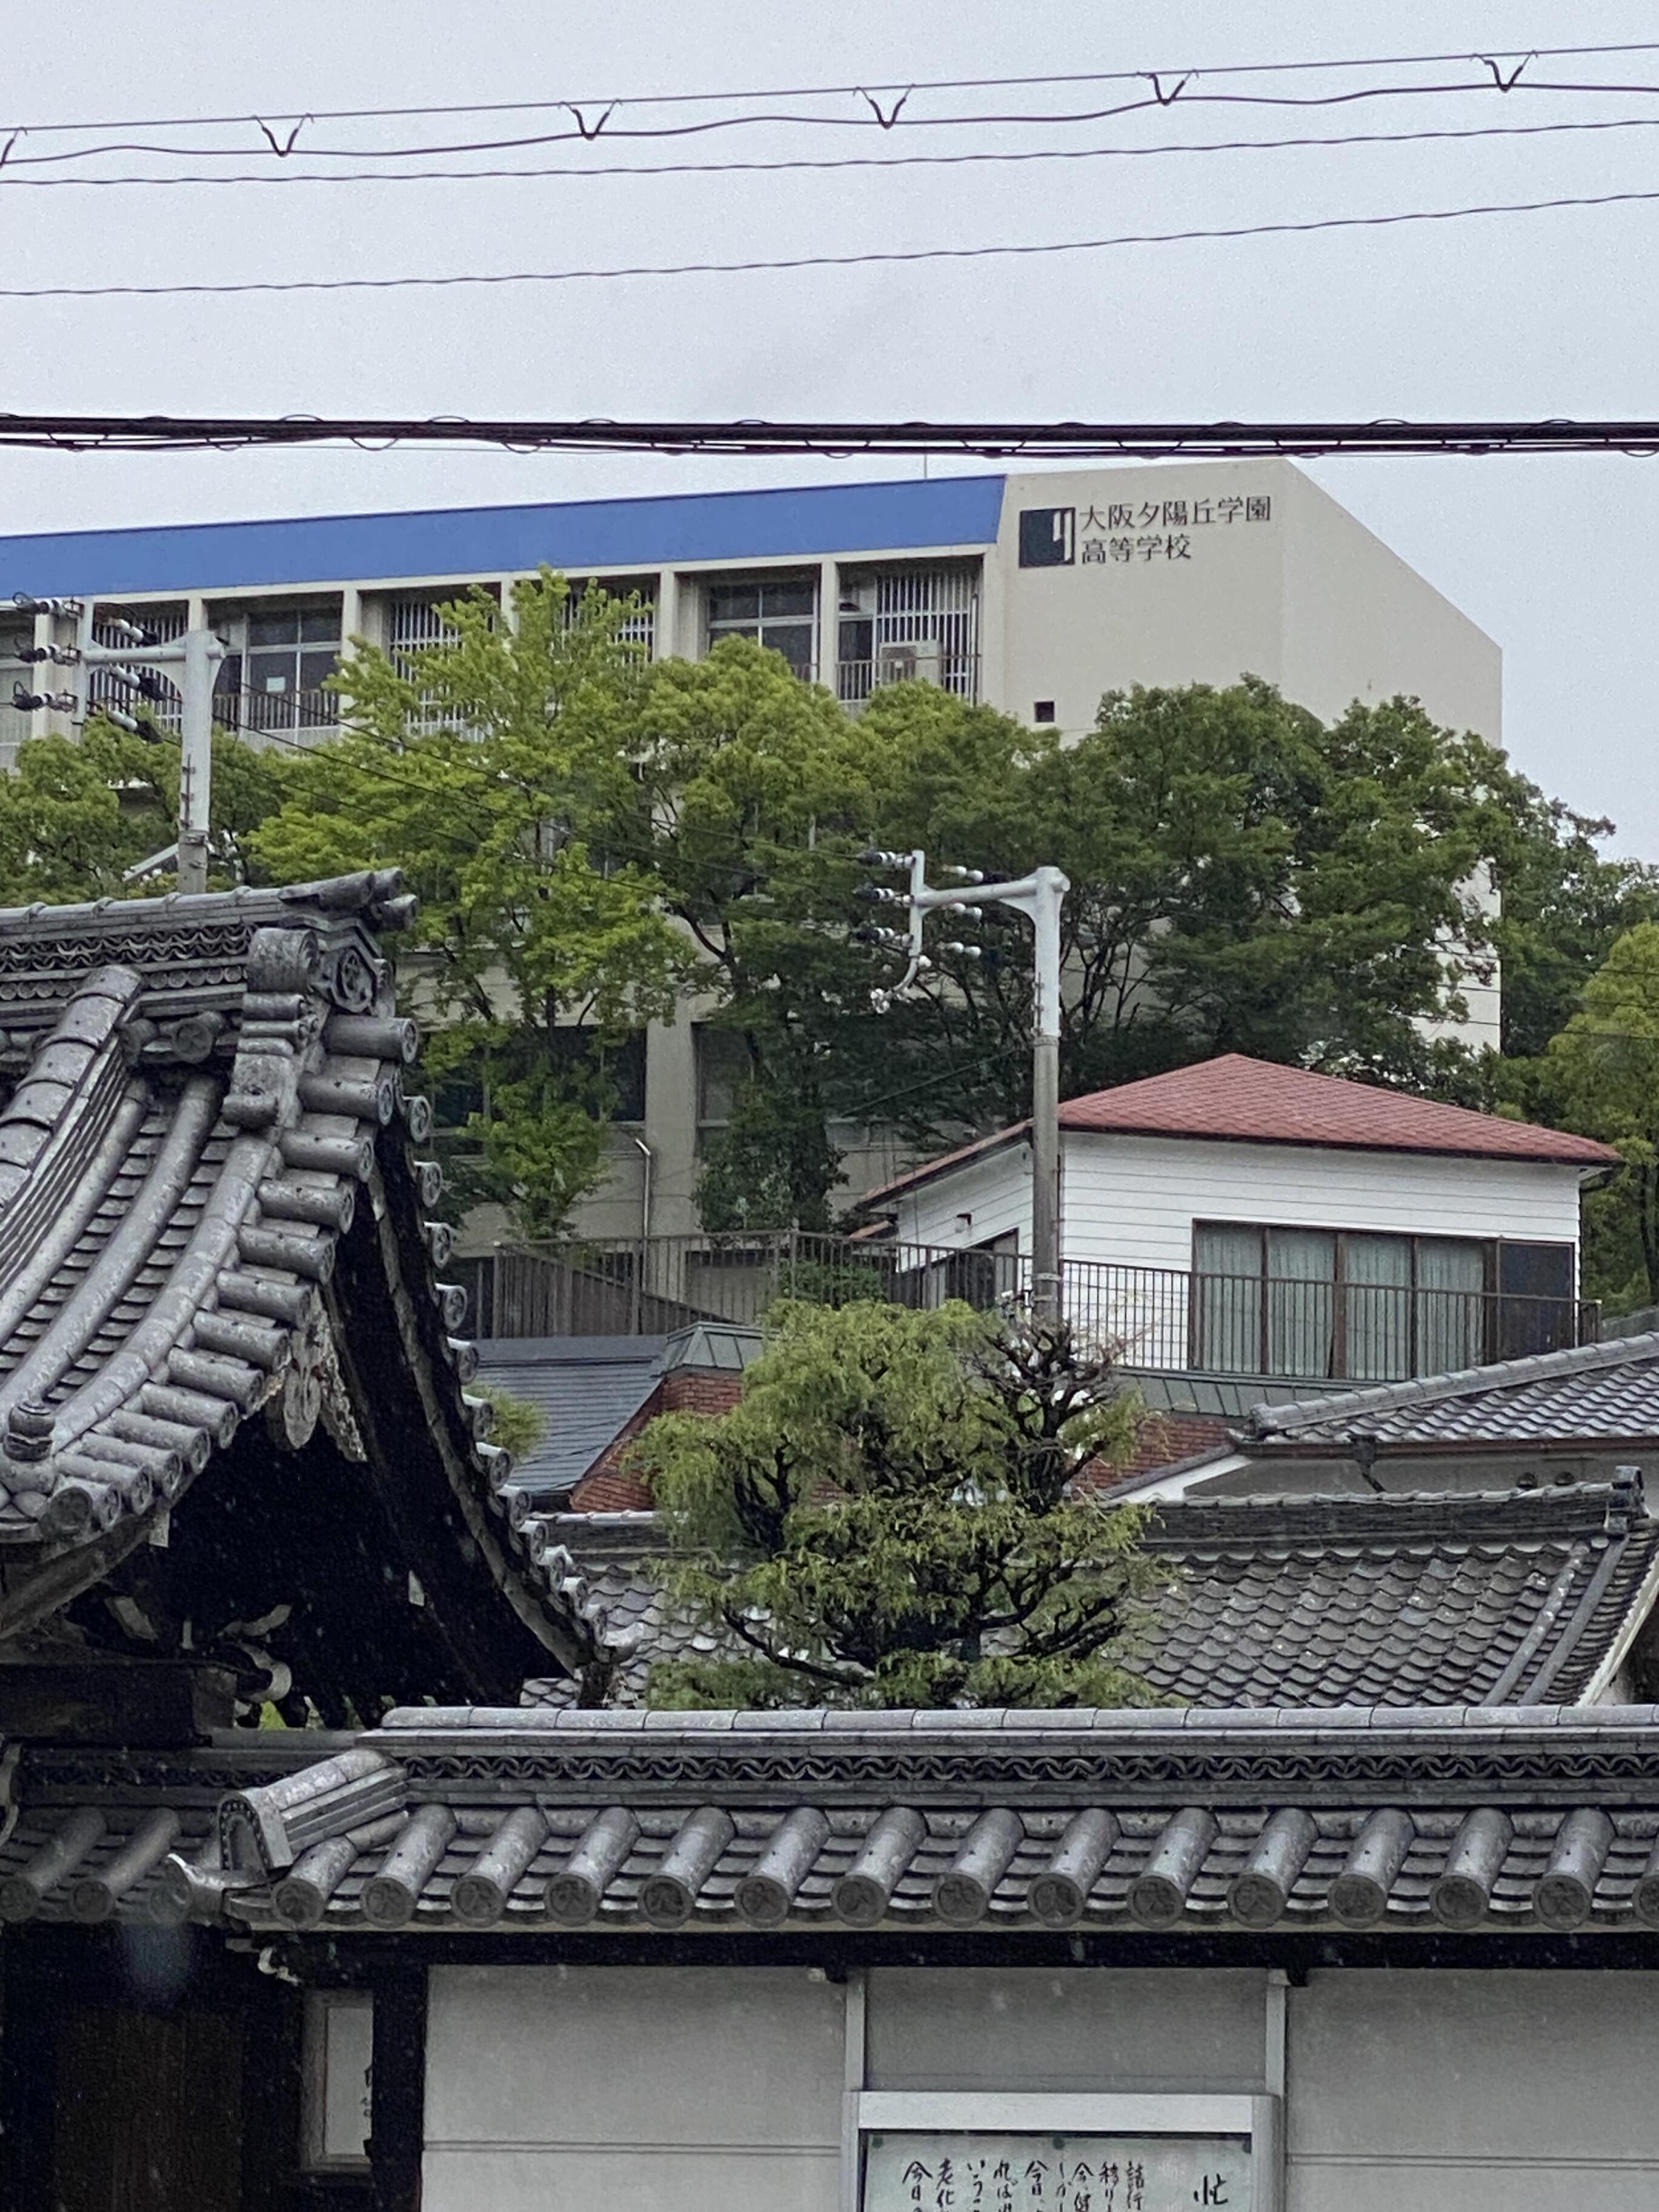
(999,442)
(827,162)
(898,256)
(589,134)
(1489,57)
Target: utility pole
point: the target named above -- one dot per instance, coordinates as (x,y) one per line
(133,664)
(1041,897)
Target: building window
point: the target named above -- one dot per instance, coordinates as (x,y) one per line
(638,628)
(906,626)
(339,2048)
(723,1068)
(780,613)
(278,660)
(1364,1307)
(1042,710)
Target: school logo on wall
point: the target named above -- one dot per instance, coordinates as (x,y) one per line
(1048,537)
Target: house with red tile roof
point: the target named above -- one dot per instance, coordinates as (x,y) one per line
(1242,1217)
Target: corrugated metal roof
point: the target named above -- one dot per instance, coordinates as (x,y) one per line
(586,536)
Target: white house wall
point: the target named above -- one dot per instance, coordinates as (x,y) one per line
(1133,1200)
(719,2089)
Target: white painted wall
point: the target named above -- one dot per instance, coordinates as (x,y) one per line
(719,2089)
(1307,599)
(1133,1201)
(652,2088)
(1497,2092)
(1010,2027)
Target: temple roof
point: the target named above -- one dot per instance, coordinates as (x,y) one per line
(1402,1600)
(467,1820)
(221,1328)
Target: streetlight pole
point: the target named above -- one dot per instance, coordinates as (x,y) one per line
(1041,897)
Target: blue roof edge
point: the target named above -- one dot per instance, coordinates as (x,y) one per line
(614,535)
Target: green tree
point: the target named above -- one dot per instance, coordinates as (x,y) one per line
(498,770)
(75,815)
(760,795)
(1603,1072)
(887,1517)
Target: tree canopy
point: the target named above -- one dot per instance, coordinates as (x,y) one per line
(1600,1076)
(498,770)
(597,837)
(888,1518)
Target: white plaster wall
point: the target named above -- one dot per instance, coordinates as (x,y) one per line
(655,2088)
(1497,2092)
(1031,2028)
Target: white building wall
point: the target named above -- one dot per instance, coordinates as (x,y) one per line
(719,2089)
(653,2089)
(1011,2027)
(1495,2091)
(1133,1201)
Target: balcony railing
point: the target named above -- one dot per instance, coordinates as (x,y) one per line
(1162,1319)
(281,713)
(955,673)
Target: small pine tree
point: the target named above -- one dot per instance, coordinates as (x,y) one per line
(888,1517)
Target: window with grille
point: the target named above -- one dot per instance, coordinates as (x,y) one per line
(908,625)
(780,613)
(638,628)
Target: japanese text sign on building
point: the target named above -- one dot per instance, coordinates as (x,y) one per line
(1055,2173)
(1134,531)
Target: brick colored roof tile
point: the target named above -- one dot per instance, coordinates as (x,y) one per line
(1257,1100)
(1236,1100)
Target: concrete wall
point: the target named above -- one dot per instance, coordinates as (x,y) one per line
(1305,596)
(716,2089)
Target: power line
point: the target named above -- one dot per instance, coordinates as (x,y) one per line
(1490,57)
(472,281)
(897,117)
(9,177)
(988,440)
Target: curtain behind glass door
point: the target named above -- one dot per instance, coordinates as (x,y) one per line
(1301,1301)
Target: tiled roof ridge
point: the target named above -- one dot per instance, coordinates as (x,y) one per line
(1266,1421)
(1484,1821)
(1348,1515)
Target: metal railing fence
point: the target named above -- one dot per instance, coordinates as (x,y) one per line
(1162,1319)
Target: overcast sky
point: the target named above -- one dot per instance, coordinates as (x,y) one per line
(1530,315)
